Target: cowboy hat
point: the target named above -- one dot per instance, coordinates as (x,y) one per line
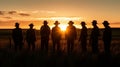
(56,22)
(83,23)
(31,24)
(70,22)
(94,21)
(105,22)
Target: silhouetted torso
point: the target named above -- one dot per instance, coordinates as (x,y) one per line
(56,37)
(17,35)
(107,37)
(107,34)
(70,35)
(44,33)
(95,33)
(94,39)
(83,38)
(31,38)
(17,38)
(30,35)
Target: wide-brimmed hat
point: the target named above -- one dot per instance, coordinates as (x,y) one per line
(16,24)
(105,22)
(70,22)
(94,21)
(56,22)
(83,23)
(45,22)
(31,24)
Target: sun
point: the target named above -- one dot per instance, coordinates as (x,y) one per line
(63,27)
(63,21)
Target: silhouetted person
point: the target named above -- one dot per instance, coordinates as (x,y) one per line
(94,37)
(83,37)
(56,36)
(70,35)
(107,37)
(17,37)
(31,37)
(44,33)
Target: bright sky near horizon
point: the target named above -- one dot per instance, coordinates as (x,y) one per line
(79,10)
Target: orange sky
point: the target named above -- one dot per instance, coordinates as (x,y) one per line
(27,11)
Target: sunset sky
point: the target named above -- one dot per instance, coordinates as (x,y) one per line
(35,11)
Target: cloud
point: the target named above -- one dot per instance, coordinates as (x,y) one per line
(12,12)
(51,12)
(115,23)
(2,12)
(47,11)
(24,14)
(8,17)
(35,11)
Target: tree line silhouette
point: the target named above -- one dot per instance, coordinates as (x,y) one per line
(70,36)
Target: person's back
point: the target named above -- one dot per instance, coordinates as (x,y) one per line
(56,33)
(107,34)
(94,37)
(56,36)
(31,37)
(45,31)
(17,36)
(44,34)
(107,37)
(70,36)
(71,32)
(95,33)
(83,37)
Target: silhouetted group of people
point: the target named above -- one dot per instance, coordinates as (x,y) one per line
(17,36)
(70,36)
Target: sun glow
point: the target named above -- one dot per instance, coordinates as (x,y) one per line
(62,20)
(63,27)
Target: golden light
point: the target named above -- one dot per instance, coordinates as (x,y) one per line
(64,21)
(59,18)
(63,27)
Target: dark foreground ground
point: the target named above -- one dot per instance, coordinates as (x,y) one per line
(27,58)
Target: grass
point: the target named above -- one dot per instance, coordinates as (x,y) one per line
(29,58)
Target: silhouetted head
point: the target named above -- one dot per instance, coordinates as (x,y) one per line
(105,23)
(94,22)
(70,22)
(56,23)
(83,23)
(17,24)
(31,25)
(45,22)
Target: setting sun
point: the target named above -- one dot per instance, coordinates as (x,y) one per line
(63,27)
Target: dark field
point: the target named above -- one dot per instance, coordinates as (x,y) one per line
(26,58)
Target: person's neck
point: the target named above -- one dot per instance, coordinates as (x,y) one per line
(17,27)
(56,26)
(45,25)
(31,28)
